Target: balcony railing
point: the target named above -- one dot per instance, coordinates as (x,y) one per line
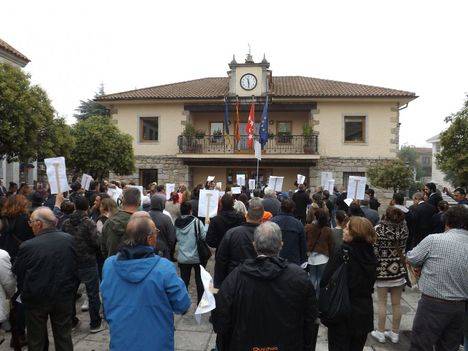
(277,145)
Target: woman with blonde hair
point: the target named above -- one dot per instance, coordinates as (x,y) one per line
(350,332)
(392,234)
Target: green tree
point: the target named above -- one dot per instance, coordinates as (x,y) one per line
(410,156)
(101,148)
(453,157)
(90,107)
(391,174)
(28,128)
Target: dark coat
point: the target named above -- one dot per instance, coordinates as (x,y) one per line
(46,268)
(84,233)
(362,273)
(266,302)
(421,222)
(371,215)
(272,205)
(235,247)
(14,232)
(438,225)
(167,236)
(301,199)
(340,204)
(294,241)
(434,199)
(374,204)
(220,224)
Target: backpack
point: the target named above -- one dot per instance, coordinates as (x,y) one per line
(334,303)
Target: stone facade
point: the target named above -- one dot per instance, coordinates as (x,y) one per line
(170,170)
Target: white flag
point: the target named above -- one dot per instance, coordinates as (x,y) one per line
(258,150)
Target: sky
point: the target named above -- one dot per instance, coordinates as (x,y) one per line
(419,46)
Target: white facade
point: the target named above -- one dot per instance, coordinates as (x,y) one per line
(437,175)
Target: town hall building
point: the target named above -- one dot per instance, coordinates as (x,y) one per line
(315,125)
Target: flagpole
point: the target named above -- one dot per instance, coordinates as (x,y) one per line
(257,185)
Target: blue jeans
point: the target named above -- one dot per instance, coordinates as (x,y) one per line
(89,276)
(315,275)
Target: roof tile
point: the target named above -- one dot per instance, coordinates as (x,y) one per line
(7,47)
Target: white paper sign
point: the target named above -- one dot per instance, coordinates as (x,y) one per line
(240,179)
(348,201)
(219,185)
(251,184)
(324,177)
(210,178)
(57,174)
(86,180)
(170,187)
(236,190)
(356,187)
(208,203)
(276,183)
(258,150)
(330,185)
(207,302)
(300,179)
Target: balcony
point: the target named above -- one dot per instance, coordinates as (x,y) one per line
(218,145)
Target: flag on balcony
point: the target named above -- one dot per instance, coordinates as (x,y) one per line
(226,117)
(237,124)
(249,128)
(264,124)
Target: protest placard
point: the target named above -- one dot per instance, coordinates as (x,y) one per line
(57,174)
(240,179)
(86,180)
(324,177)
(170,187)
(208,203)
(251,184)
(210,178)
(236,190)
(276,183)
(300,179)
(330,185)
(356,187)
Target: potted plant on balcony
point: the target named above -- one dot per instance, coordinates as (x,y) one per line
(199,134)
(307,133)
(217,136)
(284,137)
(187,141)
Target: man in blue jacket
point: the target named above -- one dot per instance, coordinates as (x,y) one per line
(141,292)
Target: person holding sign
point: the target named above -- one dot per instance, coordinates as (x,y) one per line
(189,230)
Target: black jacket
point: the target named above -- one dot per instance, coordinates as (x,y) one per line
(14,232)
(166,240)
(46,268)
(294,240)
(362,273)
(301,199)
(434,199)
(220,224)
(84,233)
(421,222)
(266,303)
(235,247)
(438,224)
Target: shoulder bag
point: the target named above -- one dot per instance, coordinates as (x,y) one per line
(204,252)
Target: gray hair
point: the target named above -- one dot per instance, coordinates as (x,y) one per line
(256,210)
(268,239)
(46,216)
(138,230)
(131,197)
(269,192)
(418,196)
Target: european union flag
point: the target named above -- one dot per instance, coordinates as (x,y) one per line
(264,124)
(226,117)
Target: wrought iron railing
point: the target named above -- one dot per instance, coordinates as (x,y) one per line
(219,144)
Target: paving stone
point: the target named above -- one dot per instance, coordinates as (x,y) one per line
(191,340)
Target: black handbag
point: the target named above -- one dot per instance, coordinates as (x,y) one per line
(334,303)
(204,252)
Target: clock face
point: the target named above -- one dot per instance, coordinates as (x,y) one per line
(248,81)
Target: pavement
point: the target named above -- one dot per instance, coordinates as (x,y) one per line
(191,336)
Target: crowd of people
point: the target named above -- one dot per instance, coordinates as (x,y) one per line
(278,260)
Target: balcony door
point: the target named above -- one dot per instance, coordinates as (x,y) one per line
(242,146)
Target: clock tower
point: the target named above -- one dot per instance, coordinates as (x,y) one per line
(249,78)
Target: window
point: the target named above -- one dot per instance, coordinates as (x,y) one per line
(216,132)
(284,132)
(426,160)
(147,176)
(346,176)
(149,129)
(354,129)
